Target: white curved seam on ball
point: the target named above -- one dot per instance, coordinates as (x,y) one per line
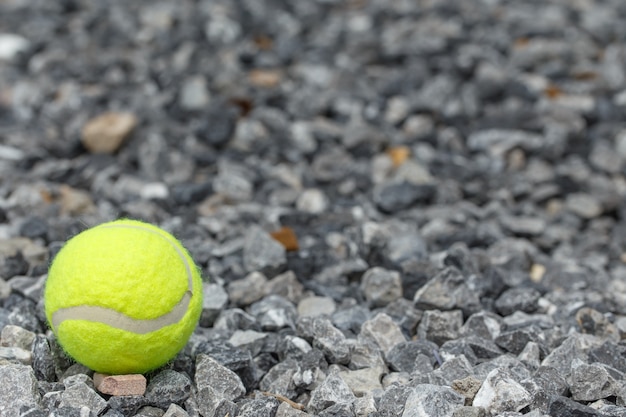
(120,320)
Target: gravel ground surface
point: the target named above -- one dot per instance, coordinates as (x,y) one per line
(400,208)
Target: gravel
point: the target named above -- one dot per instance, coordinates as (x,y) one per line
(398,208)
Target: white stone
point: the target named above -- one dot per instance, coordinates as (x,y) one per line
(11,45)
(500,392)
(312,201)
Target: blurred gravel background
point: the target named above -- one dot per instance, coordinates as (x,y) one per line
(400,207)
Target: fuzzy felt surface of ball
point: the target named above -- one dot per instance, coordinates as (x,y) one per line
(123,297)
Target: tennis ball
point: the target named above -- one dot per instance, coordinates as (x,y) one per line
(123,297)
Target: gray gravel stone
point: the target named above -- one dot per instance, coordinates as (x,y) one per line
(574,347)
(274,312)
(19,388)
(248,340)
(80,394)
(285,410)
(51,399)
(346,410)
(508,362)
(365,354)
(590,382)
(405,245)
(149,411)
(44,363)
(397,196)
(316,306)
(383,332)
(351,318)
(194,94)
(403,356)
(363,381)
(545,384)
(246,291)
(236,318)
(262,253)
(595,323)
(475,349)
(397,109)
(70,412)
(531,355)
(610,353)
(499,141)
(296,347)
(214,301)
(447,290)
(404,314)
(604,158)
(126,405)
(15,336)
(483,324)
(11,45)
(364,406)
(279,379)
(225,408)
(517,340)
(312,201)
(524,226)
(470,412)
(393,400)
(168,387)
(175,411)
(16,355)
(517,299)
(13,265)
(432,400)
(5,289)
(584,205)
(215,384)
(286,285)
(440,326)
(216,127)
(331,166)
(78,378)
(500,392)
(330,341)
(233,182)
(333,391)
(453,369)
(261,407)
(563,406)
(381,286)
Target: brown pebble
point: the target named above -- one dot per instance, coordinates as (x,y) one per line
(552,92)
(467,387)
(287,237)
(118,385)
(75,202)
(105,133)
(265,78)
(399,155)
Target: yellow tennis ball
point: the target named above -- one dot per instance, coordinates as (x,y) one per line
(123,297)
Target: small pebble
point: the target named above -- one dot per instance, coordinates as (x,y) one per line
(120,385)
(106,132)
(15,336)
(316,306)
(11,45)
